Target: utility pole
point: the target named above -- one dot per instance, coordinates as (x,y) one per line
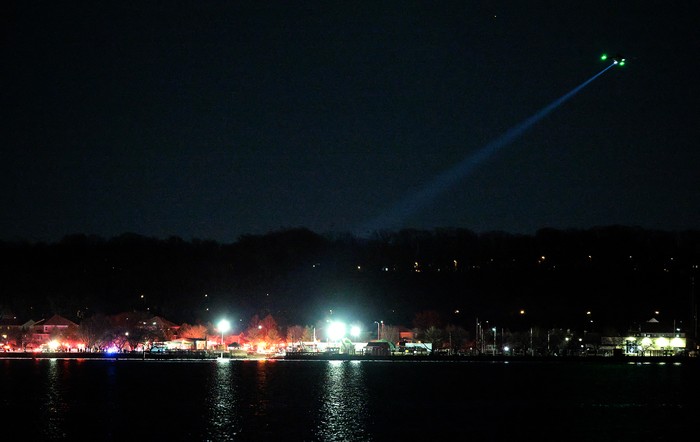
(694,309)
(478,340)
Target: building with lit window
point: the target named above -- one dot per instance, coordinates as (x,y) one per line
(652,338)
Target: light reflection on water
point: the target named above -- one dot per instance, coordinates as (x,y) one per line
(287,401)
(260,394)
(224,419)
(341,400)
(54,406)
(343,410)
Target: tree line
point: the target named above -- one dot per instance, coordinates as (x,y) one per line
(621,273)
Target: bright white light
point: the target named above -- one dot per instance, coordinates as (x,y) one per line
(336,330)
(662,342)
(354,331)
(224,326)
(678,342)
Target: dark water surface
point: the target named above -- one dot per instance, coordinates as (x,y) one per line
(346,400)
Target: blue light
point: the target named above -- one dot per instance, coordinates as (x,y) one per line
(394,216)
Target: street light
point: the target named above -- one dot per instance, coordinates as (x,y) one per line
(224,326)
(494,341)
(377,322)
(336,331)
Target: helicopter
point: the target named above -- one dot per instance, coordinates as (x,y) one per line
(617,59)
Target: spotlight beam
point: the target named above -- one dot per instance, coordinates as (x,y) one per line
(412,203)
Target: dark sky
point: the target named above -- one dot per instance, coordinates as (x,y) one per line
(214,119)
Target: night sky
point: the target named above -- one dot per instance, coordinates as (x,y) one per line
(216,119)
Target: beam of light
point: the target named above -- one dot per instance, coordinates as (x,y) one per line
(412,203)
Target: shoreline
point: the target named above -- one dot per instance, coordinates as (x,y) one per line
(134,356)
(213,356)
(496,358)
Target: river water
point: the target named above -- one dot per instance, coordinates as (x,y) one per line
(68,399)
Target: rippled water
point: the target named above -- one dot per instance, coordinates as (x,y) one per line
(344,400)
